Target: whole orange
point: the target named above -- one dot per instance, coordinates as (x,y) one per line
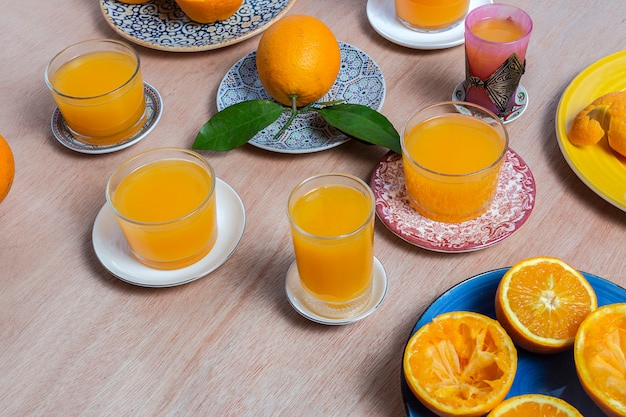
(209,11)
(298,58)
(7,168)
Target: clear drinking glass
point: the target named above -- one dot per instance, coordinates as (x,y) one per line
(332,228)
(452,153)
(98,88)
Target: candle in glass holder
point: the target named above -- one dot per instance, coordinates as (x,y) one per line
(496,40)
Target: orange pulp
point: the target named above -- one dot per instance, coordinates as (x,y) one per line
(452,173)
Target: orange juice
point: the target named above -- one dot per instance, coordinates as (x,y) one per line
(333,238)
(431,15)
(166,209)
(451,166)
(100,94)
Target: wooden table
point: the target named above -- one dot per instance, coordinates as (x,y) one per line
(75,340)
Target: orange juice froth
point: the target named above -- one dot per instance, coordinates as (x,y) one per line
(431,15)
(334,270)
(167,192)
(454,167)
(100,95)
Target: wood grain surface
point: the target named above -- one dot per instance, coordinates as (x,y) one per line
(76,341)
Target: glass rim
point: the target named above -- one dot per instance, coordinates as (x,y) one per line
(203,162)
(358,180)
(468,17)
(500,158)
(133,52)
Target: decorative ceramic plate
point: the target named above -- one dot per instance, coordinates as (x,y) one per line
(382,17)
(161,24)
(598,166)
(553,374)
(113,252)
(294,289)
(520,103)
(512,205)
(360,81)
(154,108)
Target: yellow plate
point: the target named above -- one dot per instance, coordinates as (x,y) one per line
(599,167)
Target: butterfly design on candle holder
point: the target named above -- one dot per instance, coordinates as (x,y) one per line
(501,85)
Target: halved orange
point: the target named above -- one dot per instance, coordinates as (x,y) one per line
(460,364)
(600,358)
(534,405)
(541,302)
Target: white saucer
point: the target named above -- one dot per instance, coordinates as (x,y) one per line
(519,105)
(113,252)
(154,108)
(379,290)
(382,17)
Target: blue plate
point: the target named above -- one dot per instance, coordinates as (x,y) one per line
(553,374)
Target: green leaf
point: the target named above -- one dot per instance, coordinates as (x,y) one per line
(237,124)
(363,123)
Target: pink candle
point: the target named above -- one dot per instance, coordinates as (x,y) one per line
(496,39)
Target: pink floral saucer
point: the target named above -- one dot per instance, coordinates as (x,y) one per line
(512,205)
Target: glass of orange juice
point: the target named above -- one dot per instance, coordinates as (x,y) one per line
(452,153)
(164,201)
(431,15)
(496,40)
(98,88)
(332,228)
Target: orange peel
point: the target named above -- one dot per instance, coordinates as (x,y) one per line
(605,116)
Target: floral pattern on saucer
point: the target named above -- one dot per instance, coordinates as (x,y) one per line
(360,81)
(512,205)
(161,24)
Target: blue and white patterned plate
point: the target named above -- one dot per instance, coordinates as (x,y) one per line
(360,81)
(161,24)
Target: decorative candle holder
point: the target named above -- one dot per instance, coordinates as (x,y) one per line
(496,39)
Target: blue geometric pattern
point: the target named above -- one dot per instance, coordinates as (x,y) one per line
(161,24)
(360,81)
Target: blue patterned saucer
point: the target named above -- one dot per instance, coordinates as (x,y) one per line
(161,24)
(154,109)
(360,81)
